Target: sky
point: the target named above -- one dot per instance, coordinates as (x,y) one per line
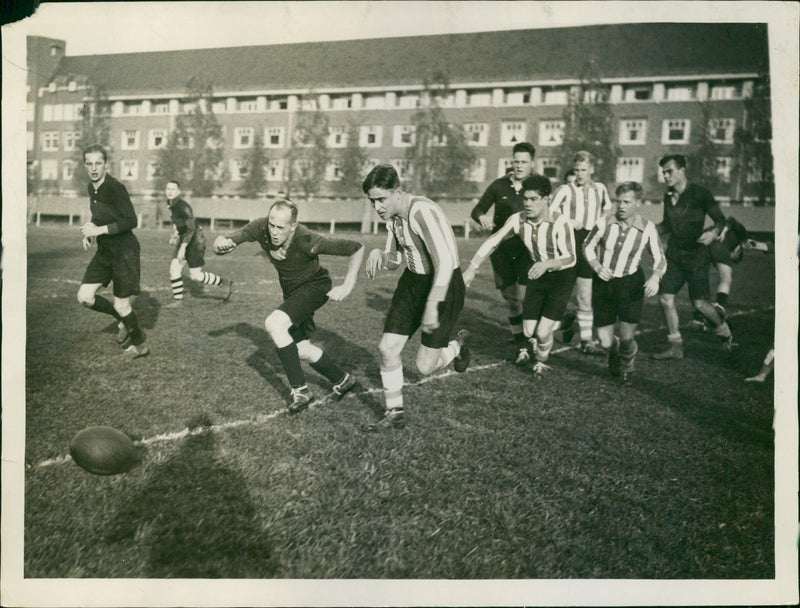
(119,27)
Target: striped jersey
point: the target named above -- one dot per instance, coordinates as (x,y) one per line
(550,239)
(426,242)
(583,205)
(619,247)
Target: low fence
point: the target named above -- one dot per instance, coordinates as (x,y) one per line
(223,214)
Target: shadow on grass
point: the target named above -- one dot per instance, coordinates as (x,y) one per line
(194,517)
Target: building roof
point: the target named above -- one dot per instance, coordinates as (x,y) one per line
(619,50)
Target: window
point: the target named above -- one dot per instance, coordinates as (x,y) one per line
(333,172)
(549,167)
(337,137)
(274,170)
(375,102)
(50,141)
(724,92)
(184,142)
(370,136)
(558,98)
(504,165)
(49,169)
(219,107)
(68,170)
(403,167)
(274,137)
(551,132)
(630,170)
(477,133)
(439,139)
(157,139)
(52,86)
(403,136)
(130,169)
(47,112)
(340,103)
(303,138)
(69,112)
(132,108)
(302,167)
(240,169)
(680,93)
(308,104)
(159,108)
(408,101)
(720,130)
(70,137)
(675,131)
(243,137)
(130,140)
(477,171)
(72,85)
(632,132)
(517,98)
(248,105)
(479,99)
(153,170)
(722,167)
(512,132)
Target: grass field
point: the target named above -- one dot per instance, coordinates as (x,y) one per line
(497,475)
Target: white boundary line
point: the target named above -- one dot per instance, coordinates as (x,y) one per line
(186,432)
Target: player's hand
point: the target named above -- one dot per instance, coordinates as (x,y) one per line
(469,275)
(757,378)
(374,261)
(707,237)
(88,241)
(651,286)
(340,292)
(753,244)
(89,230)
(485,222)
(537,270)
(173,238)
(604,273)
(430,318)
(223,245)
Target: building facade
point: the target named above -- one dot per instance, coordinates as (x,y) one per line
(667,83)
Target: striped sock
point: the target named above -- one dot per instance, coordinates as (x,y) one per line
(177,289)
(392,380)
(585,319)
(209,278)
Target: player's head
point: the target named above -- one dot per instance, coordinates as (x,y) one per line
(569,177)
(281,221)
(523,154)
(172,189)
(536,191)
(629,197)
(583,166)
(382,187)
(94,160)
(673,168)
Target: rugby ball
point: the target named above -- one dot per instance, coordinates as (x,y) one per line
(103,450)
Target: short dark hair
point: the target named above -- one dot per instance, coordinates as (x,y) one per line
(286,204)
(524,146)
(174,181)
(680,160)
(381,176)
(634,187)
(95,148)
(537,183)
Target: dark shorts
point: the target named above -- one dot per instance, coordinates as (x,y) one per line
(195,251)
(408,305)
(547,296)
(687,267)
(510,263)
(582,265)
(620,298)
(301,305)
(117,260)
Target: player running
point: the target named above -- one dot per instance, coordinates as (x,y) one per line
(294,250)
(550,241)
(190,248)
(614,249)
(429,294)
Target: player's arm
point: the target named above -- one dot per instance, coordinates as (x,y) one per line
(388,258)
(764,246)
(480,212)
(590,250)
(123,211)
(509,229)
(226,243)
(711,208)
(191,229)
(342,247)
(559,197)
(653,243)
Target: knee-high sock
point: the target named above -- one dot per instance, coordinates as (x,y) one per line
(585,319)
(328,368)
(544,347)
(627,353)
(177,288)
(392,380)
(132,325)
(104,306)
(516,329)
(209,278)
(290,360)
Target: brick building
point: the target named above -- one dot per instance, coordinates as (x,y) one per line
(504,87)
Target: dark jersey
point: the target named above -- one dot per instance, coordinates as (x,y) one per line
(685,217)
(301,262)
(506,199)
(111,206)
(184,221)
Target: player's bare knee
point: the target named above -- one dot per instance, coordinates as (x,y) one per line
(667,300)
(308,352)
(426,365)
(277,323)
(86,296)
(389,354)
(196,274)
(123,306)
